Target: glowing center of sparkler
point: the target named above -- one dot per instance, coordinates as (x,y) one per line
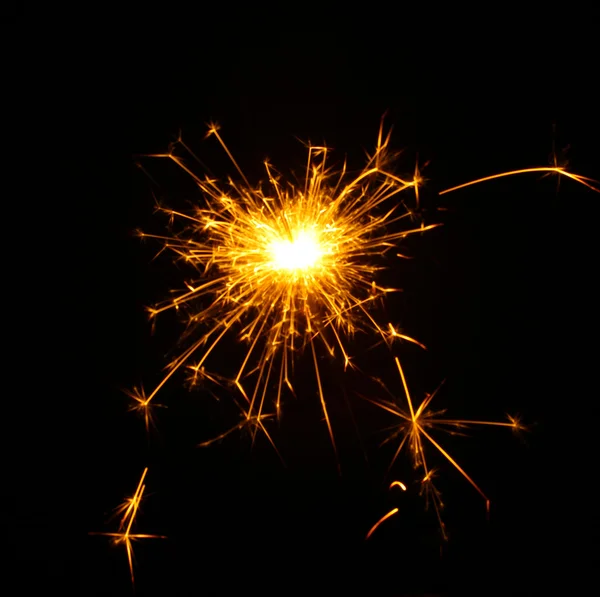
(301,253)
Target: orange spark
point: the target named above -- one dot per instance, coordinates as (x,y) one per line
(129,509)
(391,512)
(382,519)
(588,182)
(415,432)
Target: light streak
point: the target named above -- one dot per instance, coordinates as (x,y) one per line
(584,180)
(390,513)
(129,509)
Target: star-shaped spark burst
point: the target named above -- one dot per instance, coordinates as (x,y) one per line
(283,268)
(415,432)
(128,511)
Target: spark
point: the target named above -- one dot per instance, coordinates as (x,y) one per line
(390,513)
(584,180)
(285,268)
(253,423)
(414,430)
(129,509)
(288,267)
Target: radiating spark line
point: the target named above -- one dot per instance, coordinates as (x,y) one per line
(415,427)
(254,423)
(584,180)
(129,509)
(287,266)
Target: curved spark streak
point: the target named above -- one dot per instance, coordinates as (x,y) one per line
(391,512)
(382,519)
(584,180)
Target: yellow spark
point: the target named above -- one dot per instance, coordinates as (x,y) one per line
(129,509)
(285,267)
(416,426)
(142,405)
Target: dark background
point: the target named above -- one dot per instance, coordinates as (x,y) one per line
(503,295)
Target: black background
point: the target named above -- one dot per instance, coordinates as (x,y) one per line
(503,295)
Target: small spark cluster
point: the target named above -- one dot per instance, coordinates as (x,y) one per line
(415,432)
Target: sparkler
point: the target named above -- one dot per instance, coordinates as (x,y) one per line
(415,428)
(284,268)
(293,267)
(129,509)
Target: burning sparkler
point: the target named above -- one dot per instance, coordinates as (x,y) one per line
(285,268)
(129,509)
(415,430)
(288,267)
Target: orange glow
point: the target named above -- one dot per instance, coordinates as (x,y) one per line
(561,171)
